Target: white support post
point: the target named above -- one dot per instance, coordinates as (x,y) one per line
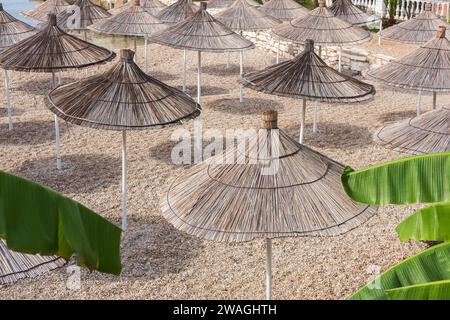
(381,29)
(268,269)
(278,52)
(228,60)
(124,180)
(302,125)
(8,99)
(434,100)
(340,59)
(198,148)
(146,55)
(241,86)
(184,70)
(315,117)
(135,47)
(419,97)
(57,132)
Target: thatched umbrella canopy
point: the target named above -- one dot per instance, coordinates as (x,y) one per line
(12,31)
(222,4)
(425,69)
(123,98)
(424,134)
(290,190)
(41,12)
(52,50)
(134,21)
(308,77)
(417,30)
(15,266)
(178,11)
(346,10)
(324,28)
(285,10)
(153,7)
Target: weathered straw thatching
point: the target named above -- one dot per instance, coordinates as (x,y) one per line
(134,21)
(41,12)
(323,27)
(222,4)
(426,68)
(123,98)
(12,30)
(89,14)
(346,10)
(153,7)
(178,11)
(52,50)
(307,76)
(284,10)
(419,29)
(427,133)
(15,266)
(301,195)
(241,16)
(201,32)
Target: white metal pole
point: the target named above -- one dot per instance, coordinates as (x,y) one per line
(278,52)
(124,180)
(340,59)
(241,87)
(146,55)
(315,116)
(198,120)
(302,125)
(85,36)
(135,47)
(57,133)
(184,70)
(419,97)
(434,100)
(381,29)
(228,60)
(8,99)
(268,269)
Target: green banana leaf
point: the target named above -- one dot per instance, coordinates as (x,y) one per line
(431,265)
(419,179)
(431,223)
(35,219)
(438,290)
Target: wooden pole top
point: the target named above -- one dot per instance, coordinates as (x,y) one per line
(126,55)
(52,19)
(203,5)
(441,32)
(137,2)
(270,120)
(321,3)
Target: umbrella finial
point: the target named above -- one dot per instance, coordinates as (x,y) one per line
(428,6)
(309,45)
(321,3)
(270,120)
(52,19)
(203,5)
(441,32)
(137,2)
(126,55)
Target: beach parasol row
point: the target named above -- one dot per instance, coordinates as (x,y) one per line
(300,195)
(123,98)
(308,77)
(52,50)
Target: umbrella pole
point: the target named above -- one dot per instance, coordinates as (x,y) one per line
(379,32)
(315,117)
(135,47)
(278,52)
(124,180)
(228,60)
(268,269)
(340,59)
(146,55)
(184,70)
(198,120)
(85,35)
(434,100)
(241,97)
(419,97)
(57,133)
(8,99)
(302,125)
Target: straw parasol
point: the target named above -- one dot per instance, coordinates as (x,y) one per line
(284,10)
(346,10)
(178,11)
(324,28)
(202,33)
(427,133)
(425,69)
(12,31)
(308,77)
(222,4)
(241,16)
(153,7)
(417,30)
(123,98)
(52,50)
(15,266)
(289,190)
(41,12)
(134,21)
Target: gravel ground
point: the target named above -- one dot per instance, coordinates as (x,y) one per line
(160,262)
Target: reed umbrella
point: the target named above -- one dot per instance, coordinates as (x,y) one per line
(308,77)
(222,4)
(284,10)
(324,28)
(153,7)
(425,69)
(202,33)
(135,21)
(346,10)
(417,30)
(424,134)
(123,98)
(240,17)
(290,190)
(12,31)
(41,12)
(15,266)
(52,50)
